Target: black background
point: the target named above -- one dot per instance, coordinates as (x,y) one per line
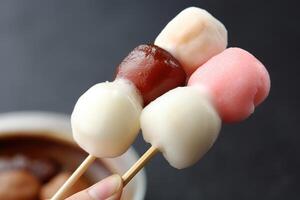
(52,51)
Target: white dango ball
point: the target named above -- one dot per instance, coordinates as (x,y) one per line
(105,119)
(192,37)
(182,124)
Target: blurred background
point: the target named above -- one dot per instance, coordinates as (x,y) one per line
(52,51)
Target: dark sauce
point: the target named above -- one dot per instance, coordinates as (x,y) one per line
(67,155)
(42,146)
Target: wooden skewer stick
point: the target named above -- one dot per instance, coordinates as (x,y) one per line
(139,165)
(90,159)
(74,177)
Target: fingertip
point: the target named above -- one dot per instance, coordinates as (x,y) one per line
(108,187)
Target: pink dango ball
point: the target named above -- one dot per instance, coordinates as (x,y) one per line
(236,81)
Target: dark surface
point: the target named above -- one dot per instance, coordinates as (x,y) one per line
(52,51)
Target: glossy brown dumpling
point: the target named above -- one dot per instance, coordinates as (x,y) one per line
(153,71)
(18,185)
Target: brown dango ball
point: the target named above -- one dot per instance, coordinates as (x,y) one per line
(18,185)
(153,71)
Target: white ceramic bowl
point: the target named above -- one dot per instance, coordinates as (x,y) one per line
(58,126)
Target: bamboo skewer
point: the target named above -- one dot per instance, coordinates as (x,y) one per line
(135,168)
(74,177)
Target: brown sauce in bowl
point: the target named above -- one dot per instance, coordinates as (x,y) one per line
(40,157)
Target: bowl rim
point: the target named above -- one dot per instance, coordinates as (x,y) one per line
(59,123)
